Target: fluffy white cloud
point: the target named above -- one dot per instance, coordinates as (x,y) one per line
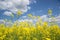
(44,18)
(24,17)
(58,19)
(28,20)
(2,21)
(7,13)
(8,24)
(15,5)
(55,19)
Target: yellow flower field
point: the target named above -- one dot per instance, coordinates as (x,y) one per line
(25,31)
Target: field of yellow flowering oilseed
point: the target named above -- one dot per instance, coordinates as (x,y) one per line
(28,31)
(25,31)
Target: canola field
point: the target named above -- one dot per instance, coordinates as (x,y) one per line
(28,31)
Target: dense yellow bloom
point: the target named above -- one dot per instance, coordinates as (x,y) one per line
(20,38)
(45,23)
(48,39)
(32,29)
(1,38)
(10,30)
(50,12)
(30,15)
(19,12)
(28,38)
(27,31)
(1,33)
(35,38)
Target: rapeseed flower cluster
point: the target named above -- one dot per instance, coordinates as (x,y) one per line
(24,31)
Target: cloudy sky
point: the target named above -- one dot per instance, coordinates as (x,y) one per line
(35,7)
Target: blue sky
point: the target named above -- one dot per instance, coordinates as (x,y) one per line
(42,6)
(36,7)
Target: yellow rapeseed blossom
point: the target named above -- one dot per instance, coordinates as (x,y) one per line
(30,15)
(48,39)
(27,31)
(35,38)
(1,38)
(20,38)
(45,23)
(19,12)
(50,12)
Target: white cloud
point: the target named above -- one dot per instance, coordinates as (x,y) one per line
(2,21)
(15,5)
(44,18)
(28,20)
(9,24)
(55,19)
(58,19)
(24,16)
(7,13)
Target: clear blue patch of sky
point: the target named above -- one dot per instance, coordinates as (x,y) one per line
(44,5)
